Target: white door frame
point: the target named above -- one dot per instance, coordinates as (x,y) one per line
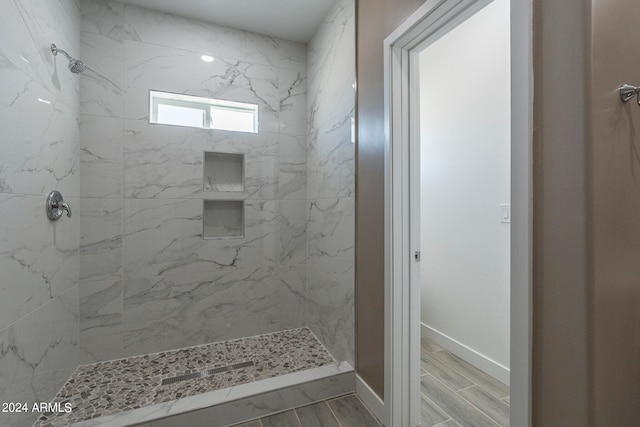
(402,297)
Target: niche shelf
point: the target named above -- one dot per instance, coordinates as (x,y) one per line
(223,172)
(223,219)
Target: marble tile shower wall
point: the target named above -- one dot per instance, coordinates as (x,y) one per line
(40,152)
(149,282)
(331,181)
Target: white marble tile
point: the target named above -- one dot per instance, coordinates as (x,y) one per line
(337,385)
(173,311)
(39,387)
(167,161)
(38,258)
(331,307)
(293,102)
(275,51)
(262,49)
(163,29)
(40,138)
(287,397)
(293,56)
(101,84)
(150,67)
(330,274)
(331,230)
(162,236)
(331,181)
(292,296)
(101,222)
(262,173)
(101,157)
(331,160)
(331,61)
(163,161)
(165,237)
(45,340)
(331,100)
(322,373)
(39,101)
(101,306)
(103,17)
(152,27)
(28,29)
(292,174)
(293,232)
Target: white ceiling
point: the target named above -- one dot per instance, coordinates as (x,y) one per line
(288,19)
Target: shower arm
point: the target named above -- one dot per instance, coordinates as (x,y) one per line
(75,65)
(55,50)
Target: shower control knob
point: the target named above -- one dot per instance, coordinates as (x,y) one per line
(56,206)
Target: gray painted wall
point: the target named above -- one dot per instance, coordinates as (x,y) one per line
(376,19)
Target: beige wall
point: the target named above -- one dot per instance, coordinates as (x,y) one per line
(376,19)
(587,215)
(614,187)
(560,268)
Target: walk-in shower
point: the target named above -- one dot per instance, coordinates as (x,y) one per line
(201,264)
(75,65)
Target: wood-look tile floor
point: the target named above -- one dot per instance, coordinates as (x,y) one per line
(453,394)
(457,394)
(345,411)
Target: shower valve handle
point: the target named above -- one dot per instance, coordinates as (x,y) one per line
(63,206)
(56,206)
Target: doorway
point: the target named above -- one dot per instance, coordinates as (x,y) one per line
(464,186)
(432,22)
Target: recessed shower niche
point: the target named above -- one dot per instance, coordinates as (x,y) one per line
(223,219)
(223,172)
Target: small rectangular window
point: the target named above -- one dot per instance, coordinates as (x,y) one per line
(193,111)
(181,116)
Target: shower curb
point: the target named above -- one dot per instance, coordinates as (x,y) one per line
(239,403)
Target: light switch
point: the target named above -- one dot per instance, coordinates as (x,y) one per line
(505,212)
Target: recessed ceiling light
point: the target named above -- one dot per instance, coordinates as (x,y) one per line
(207,58)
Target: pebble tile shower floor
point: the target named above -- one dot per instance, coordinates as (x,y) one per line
(115,386)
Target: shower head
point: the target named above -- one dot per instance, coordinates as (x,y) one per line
(75,65)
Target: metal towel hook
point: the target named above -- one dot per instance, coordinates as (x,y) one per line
(627,92)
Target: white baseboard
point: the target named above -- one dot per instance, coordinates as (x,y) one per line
(480,361)
(371,399)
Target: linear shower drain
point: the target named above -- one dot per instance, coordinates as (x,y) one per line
(206,373)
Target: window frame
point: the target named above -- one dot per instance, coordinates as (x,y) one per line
(207,105)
